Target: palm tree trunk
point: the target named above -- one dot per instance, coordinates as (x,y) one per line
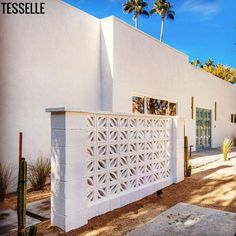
(136,20)
(162,29)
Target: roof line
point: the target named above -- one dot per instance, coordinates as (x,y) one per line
(77,9)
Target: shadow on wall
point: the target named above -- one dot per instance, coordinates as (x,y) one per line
(106,72)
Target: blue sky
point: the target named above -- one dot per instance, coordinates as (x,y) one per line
(201,29)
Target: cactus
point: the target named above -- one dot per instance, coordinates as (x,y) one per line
(32,230)
(189,171)
(21,196)
(21,201)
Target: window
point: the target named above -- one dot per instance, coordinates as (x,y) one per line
(157,106)
(153,106)
(172,109)
(138,105)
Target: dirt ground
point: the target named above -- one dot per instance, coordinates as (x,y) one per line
(212,186)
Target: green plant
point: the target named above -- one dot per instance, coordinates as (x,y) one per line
(39,172)
(32,230)
(226,147)
(6,178)
(21,201)
(189,171)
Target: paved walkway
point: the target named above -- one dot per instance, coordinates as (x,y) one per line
(8,222)
(40,209)
(36,212)
(185,220)
(202,158)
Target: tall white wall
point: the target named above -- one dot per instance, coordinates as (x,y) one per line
(143,65)
(47,60)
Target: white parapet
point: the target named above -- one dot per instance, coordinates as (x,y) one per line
(102,161)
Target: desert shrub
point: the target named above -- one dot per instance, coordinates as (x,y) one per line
(39,171)
(6,179)
(226,147)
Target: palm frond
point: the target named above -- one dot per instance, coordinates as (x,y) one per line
(163,8)
(145,13)
(170,15)
(136,6)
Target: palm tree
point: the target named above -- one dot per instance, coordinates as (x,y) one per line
(209,62)
(197,63)
(163,8)
(136,6)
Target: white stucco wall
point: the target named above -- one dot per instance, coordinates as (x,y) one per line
(49,60)
(143,65)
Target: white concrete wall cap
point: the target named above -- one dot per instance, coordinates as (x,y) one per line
(67,109)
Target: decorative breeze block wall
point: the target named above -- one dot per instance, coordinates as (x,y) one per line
(126,153)
(102,161)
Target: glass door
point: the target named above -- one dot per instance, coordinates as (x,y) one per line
(203,129)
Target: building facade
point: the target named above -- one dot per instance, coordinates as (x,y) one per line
(67,58)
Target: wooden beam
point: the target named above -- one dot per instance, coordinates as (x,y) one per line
(20,145)
(192,107)
(215,111)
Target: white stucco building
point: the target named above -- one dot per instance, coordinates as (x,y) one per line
(69,58)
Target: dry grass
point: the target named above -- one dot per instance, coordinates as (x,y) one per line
(6,179)
(39,172)
(227,146)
